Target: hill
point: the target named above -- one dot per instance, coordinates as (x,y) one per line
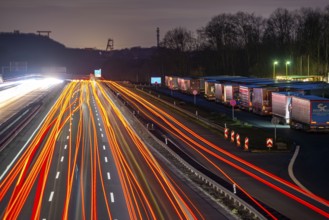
(41,51)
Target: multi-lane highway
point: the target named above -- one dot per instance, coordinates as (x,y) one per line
(86,162)
(283,196)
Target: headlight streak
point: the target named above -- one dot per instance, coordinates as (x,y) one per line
(22,189)
(149,192)
(150,107)
(186,140)
(180,206)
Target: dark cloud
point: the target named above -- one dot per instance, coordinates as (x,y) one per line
(88,23)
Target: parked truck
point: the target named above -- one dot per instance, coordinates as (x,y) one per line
(171,82)
(246,95)
(211,84)
(188,85)
(262,100)
(281,105)
(219,92)
(209,91)
(231,91)
(309,113)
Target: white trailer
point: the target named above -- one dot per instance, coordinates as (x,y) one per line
(281,105)
(262,100)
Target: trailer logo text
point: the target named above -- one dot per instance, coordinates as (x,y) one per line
(322,107)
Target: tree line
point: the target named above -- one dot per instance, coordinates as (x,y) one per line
(247,44)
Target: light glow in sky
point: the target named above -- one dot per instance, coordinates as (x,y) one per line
(89,23)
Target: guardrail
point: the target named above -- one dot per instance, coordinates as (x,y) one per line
(204,120)
(18,121)
(14,127)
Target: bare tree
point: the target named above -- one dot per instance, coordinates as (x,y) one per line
(250,29)
(280,29)
(179,39)
(178,43)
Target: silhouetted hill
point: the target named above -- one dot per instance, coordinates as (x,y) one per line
(41,51)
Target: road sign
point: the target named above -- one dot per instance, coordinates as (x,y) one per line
(269,142)
(275,121)
(232,136)
(233,102)
(226,133)
(246,143)
(195,92)
(238,143)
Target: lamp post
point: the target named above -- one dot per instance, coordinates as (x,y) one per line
(287,63)
(274,64)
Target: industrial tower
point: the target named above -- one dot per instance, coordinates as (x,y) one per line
(158,36)
(110,44)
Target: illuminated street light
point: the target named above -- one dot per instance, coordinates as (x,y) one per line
(287,63)
(274,64)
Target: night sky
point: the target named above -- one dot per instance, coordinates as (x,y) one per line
(89,23)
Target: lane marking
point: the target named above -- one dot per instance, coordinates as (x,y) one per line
(105,159)
(57,175)
(99,124)
(100,129)
(108,175)
(26,144)
(65,146)
(102,135)
(67,137)
(69,129)
(97,119)
(112,197)
(103,147)
(291,170)
(62,158)
(51,196)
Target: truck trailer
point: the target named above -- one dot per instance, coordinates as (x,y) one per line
(209,91)
(246,95)
(310,113)
(281,105)
(231,91)
(188,85)
(262,100)
(210,85)
(171,82)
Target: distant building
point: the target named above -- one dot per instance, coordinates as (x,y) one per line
(302,78)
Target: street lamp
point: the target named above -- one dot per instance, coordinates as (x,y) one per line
(287,63)
(274,64)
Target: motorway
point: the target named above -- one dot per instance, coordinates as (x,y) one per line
(285,197)
(86,162)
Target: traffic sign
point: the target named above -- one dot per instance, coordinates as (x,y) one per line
(269,142)
(275,121)
(246,143)
(233,102)
(195,92)
(238,143)
(232,136)
(226,133)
